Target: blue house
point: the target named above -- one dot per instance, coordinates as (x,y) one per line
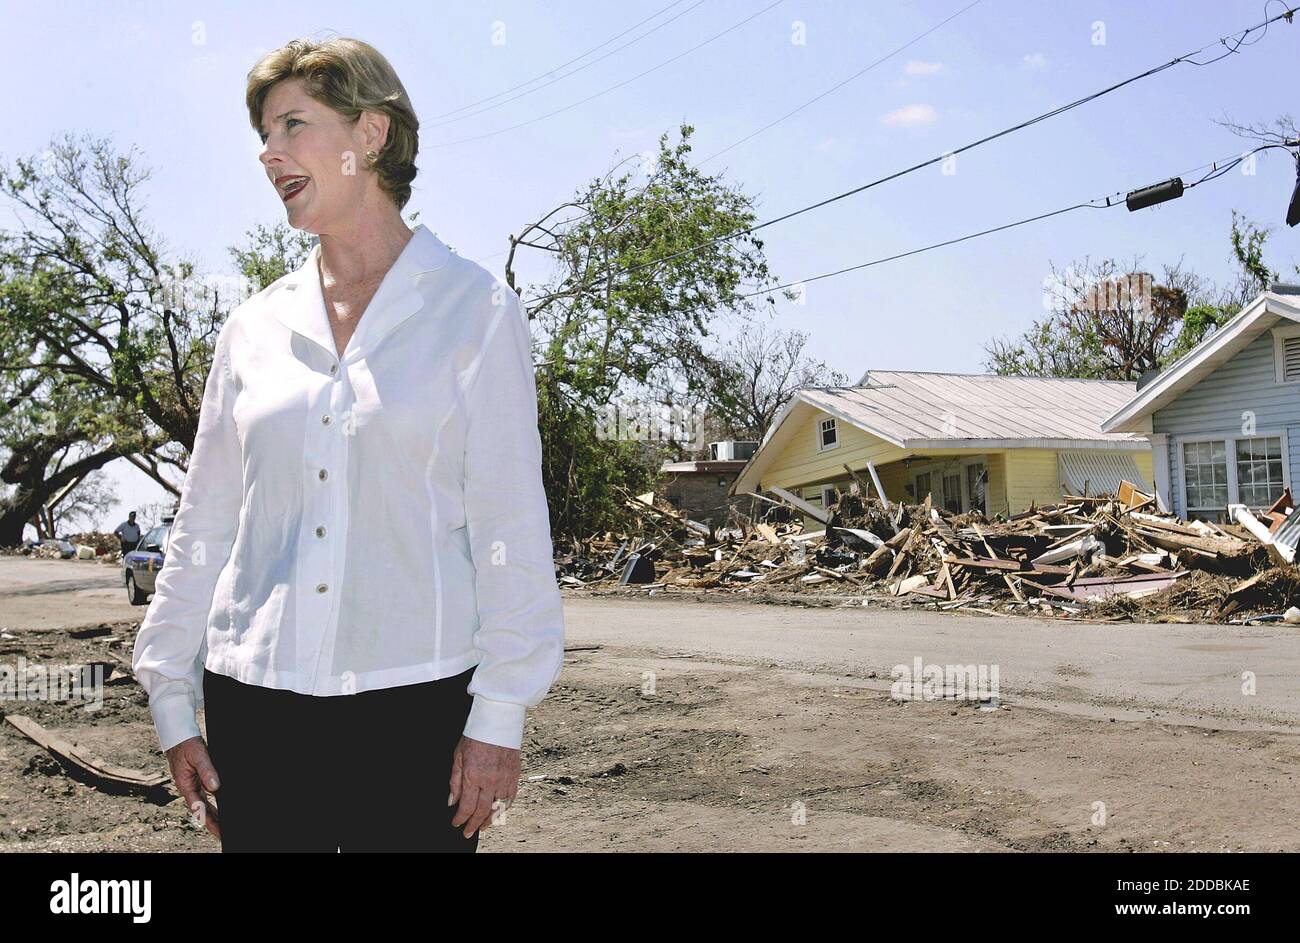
(1224,419)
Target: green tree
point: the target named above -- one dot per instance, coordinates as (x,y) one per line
(105,338)
(641,269)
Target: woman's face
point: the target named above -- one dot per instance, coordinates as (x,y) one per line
(315,158)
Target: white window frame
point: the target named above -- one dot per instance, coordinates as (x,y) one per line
(821,427)
(1280,336)
(1229,439)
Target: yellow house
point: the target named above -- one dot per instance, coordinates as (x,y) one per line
(970,440)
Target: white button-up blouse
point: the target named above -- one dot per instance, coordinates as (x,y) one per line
(359,522)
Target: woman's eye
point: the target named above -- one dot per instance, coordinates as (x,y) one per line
(291,122)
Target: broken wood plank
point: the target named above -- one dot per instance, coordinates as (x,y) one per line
(96,768)
(799,503)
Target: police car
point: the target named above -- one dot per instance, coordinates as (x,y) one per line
(140,566)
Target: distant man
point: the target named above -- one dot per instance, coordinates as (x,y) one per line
(129,533)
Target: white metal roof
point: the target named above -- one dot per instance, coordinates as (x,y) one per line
(932,410)
(919,410)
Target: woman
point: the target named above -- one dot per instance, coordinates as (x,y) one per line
(359,588)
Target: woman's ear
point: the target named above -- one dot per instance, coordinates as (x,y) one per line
(374,125)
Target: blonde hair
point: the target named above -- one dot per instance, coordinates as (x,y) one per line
(349,76)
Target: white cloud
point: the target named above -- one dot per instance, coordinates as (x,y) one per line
(1036,60)
(911,116)
(916,67)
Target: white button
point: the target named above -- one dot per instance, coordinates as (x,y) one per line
(321,587)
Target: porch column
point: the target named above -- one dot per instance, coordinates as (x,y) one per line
(1160,470)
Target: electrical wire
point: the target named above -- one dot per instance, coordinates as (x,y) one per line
(1217,169)
(934,160)
(606,91)
(435,123)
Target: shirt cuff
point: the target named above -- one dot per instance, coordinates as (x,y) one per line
(497,722)
(175,720)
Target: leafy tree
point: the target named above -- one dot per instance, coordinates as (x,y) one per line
(1107,322)
(644,259)
(105,337)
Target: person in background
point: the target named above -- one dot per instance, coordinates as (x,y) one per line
(129,533)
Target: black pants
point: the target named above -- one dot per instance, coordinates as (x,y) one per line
(349,772)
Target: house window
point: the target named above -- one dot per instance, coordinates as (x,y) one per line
(1254,476)
(952,493)
(922,486)
(1205,475)
(1259,470)
(826,435)
(828,495)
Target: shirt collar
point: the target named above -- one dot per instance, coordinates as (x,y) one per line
(398,296)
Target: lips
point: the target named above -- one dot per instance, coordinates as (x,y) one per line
(291,186)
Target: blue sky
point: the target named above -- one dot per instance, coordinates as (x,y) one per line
(168,78)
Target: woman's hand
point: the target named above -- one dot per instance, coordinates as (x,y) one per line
(482,774)
(192,772)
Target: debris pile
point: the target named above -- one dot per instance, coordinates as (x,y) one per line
(1107,557)
(91,545)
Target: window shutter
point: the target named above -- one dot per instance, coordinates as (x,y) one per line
(1291,358)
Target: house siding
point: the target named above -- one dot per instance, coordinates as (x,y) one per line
(1032,478)
(800,462)
(1016,477)
(1220,404)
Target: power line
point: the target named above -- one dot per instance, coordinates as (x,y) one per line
(435,123)
(839,85)
(911,42)
(966,147)
(1217,169)
(606,91)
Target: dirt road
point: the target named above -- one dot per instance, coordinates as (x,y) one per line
(682,724)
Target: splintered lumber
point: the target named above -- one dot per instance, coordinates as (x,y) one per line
(878,559)
(1131,497)
(1050,590)
(980,563)
(913,584)
(1094,552)
(1174,540)
(76,756)
(1081,547)
(1134,587)
(865,536)
(794,500)
(866,489)
(905,553)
